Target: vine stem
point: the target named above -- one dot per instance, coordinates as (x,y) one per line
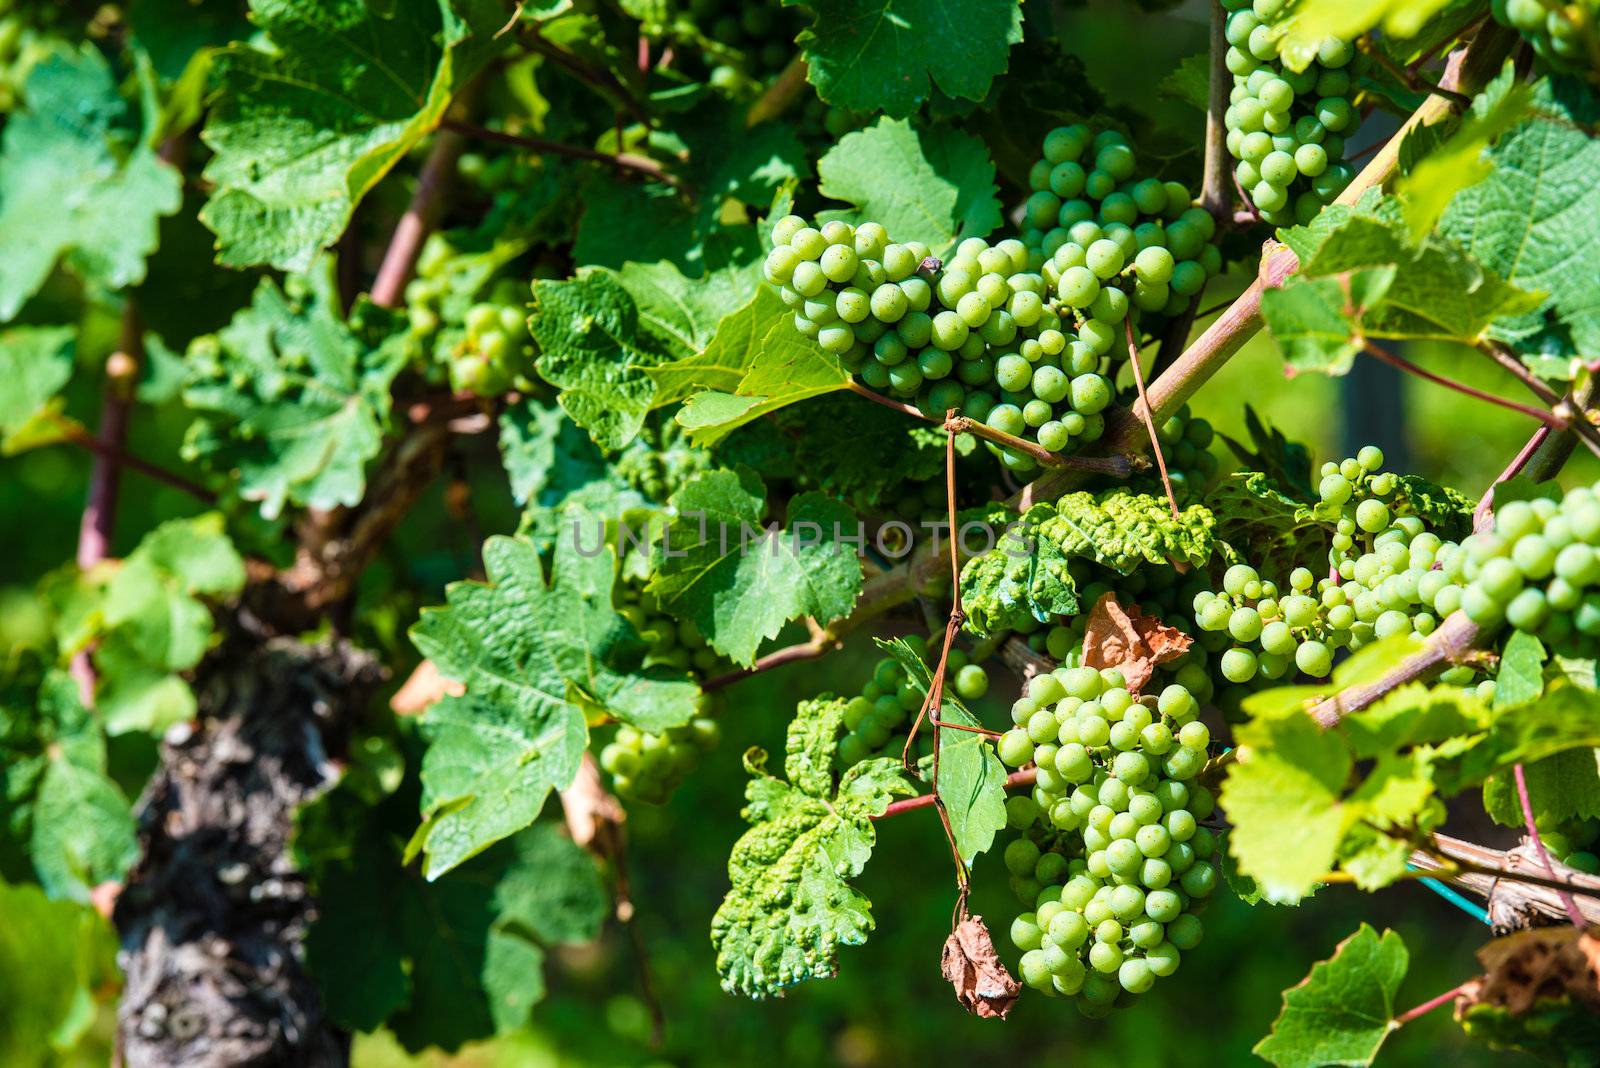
(421,216)
(75,435)
(1115,466)
(1217,182)
(1483,514)
(626,160)
(99,523)
(888,402)
(1144,411)
(1542,415)
(1015,781)
(811,650)
(1538,843)
(1432,1003)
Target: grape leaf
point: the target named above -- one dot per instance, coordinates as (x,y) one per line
(35,362)
(1311,21)
(147,622)
(1453,163)
(756,363)
(1520,679)
(303,130)
(293,398)
(70,190)
(59,807)
(1536,218)
(935,186)
(972,779)
(1268,526)
(1561,787)
(55,956)
(741,581)
(533,656)
(790,907)
(1361,276)
(886,55)
(596,348)
(1282,797)
(1344,1009)
(1122,530)
(1023,577)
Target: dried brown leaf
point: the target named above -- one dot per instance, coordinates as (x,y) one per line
(1530,966)
(423,688)
(1129,641)
(972,966)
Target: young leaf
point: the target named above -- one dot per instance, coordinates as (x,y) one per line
(972,779)
(939,190)
(148,622)
(741,581)
(303,131)
(790,906)
(1520,680)
(291,397)
(533,655)
(35,362)
(60,807)
(1536,218)
(70,191)
(55,957)
(1343,1010)
(878,55)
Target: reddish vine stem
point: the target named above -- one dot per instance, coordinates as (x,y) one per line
(625,160)
(1538,843)
(777,658)
(1483,514)
(1543,416)
(75,435)
(1016,780)
(99,522)
(422,215)
(1149,423)
(888,402)
(1432,1003)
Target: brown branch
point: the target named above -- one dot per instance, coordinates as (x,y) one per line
(1449,644)
(626,160)
(1411,79)
(1016,654)
(893,405)
(1218,174)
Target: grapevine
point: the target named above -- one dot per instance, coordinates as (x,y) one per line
(524,520)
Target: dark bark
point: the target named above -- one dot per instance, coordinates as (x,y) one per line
(213,918)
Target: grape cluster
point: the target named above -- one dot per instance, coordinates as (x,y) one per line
(948,335)
(1538,569)
(1112,857)
(1186,446)
(887,701)
(1557,31)
(1389,575)
(648,767)
(1287,128)
(1104,240)
(489,351)
(751,38)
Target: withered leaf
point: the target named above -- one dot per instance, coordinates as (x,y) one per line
(1531,966)
(1130,641)
(972,966)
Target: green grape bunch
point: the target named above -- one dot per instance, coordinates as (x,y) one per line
(489,350)
(1112,859)
(1108,242)
(648,766)
(1287,128)
(1563,34)
(743,41)
(1388,574)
